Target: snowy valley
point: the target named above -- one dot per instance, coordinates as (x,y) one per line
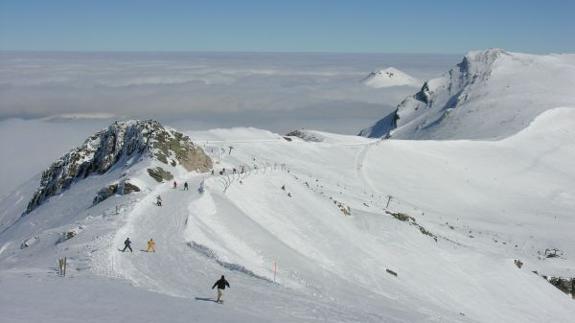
(313,226)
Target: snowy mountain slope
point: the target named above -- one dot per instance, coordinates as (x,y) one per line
(490,94)
(122,143)
(327,233)
(389,77)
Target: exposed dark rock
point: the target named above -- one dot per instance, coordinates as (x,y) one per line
(159,174)
(69,234)
(566,285)
(304,135)
(411,220)
(122,188)
(120,145)
(389,271)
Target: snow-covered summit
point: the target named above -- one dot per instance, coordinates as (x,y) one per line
(390,77)
(124,144)
(489,94)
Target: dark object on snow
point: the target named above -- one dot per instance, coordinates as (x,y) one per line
(552,253)
(283,187)
(389,271)
(518,263)
(185,186)
(566,285)
(159,174)
(122,188)
(127,245)
(222,283)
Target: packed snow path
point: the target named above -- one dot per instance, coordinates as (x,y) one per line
(182,268)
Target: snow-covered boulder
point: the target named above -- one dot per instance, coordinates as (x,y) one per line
(390,77)
(124,144)
(489,94)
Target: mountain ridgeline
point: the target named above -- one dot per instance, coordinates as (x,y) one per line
(490,94)
(122,144)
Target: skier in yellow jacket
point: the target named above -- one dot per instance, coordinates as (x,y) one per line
(151,245)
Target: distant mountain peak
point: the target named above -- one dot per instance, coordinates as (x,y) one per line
(390,77)
(491,93)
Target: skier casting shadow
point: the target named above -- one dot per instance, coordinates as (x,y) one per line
(222,283)
(127,245)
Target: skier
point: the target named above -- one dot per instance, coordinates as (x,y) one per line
(175,185)
(158,200)
(127,245)
(185,186)
(151,246)
(201,189)
(222,283)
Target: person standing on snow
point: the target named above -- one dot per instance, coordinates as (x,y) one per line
(185,186)
(127,245)
(222,283)
(201,189)
(158,200)
(175,185)
(151,246)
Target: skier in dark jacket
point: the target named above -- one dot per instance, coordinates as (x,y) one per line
(185,186)
(222,283)
(127,245)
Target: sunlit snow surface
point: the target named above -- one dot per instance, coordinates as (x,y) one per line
(488,203)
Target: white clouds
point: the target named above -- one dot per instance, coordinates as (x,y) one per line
(195,85)
(76,94)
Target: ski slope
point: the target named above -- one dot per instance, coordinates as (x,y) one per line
(294,255)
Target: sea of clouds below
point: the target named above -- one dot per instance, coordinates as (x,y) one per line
(50,102)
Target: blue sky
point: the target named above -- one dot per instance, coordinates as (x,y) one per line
(288,26)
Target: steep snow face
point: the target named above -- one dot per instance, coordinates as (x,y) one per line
(390,77)
(490,94)
(121,143)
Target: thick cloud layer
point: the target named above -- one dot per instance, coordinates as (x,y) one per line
(212,89)
(50,102)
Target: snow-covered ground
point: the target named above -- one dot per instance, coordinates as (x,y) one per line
(390,77)
(318,248)
(490,94)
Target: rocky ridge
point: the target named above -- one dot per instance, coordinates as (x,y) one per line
(122,144)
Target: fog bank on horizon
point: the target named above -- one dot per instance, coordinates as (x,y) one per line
(50,102)
(275,91)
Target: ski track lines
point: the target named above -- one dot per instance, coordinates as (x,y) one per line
(178,270)
(331,267)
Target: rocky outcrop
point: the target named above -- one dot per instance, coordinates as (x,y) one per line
(120,145)
(566,285)
(411,220)
(304,135)
(122,188)
(159,174)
